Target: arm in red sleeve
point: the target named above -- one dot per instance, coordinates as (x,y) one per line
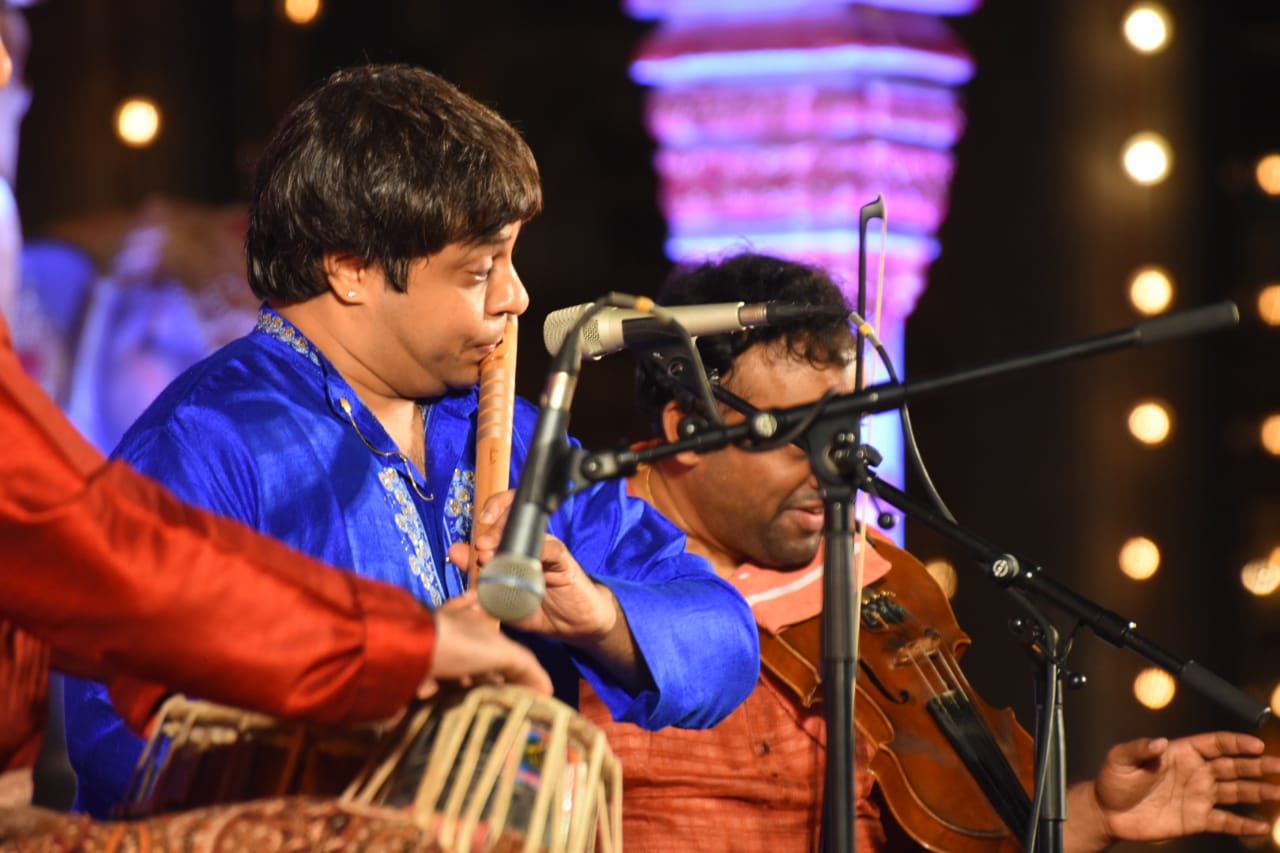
(109,568)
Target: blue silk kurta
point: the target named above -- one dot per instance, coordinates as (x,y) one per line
(267,431)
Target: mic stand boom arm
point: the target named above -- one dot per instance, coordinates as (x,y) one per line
(890,395)
(767,425)
(1011,573)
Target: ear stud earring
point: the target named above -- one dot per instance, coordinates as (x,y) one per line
(351,294)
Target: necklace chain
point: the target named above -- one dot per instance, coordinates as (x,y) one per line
(648,486)
(408,464)
(675,514)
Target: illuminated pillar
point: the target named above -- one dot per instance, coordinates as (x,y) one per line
(778,119)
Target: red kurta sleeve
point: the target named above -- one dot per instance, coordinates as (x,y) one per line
(24,690)
(109,568)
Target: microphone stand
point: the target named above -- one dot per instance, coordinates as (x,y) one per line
(842,465)
(839,628)
(1017,575)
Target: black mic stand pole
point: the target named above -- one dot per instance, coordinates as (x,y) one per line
(839,637)
(1050,807)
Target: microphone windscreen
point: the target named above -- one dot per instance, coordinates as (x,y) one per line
(511,586)
(558,325)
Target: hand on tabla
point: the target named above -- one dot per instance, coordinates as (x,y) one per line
(470,650)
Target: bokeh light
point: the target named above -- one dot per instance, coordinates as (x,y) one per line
(1269,304)
(302,12)
(1154,688)
(945,574)
(1147,158)
(1150,422)
(1268,174)
(1269,434)
(1139,558)
(137,122)
(1150,290)
(1147,27)
(1260,577)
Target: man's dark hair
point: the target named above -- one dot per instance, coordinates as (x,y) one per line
(388,163)
(824,338)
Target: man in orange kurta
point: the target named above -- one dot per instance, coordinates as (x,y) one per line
(754,782)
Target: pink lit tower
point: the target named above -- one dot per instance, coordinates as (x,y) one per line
(777,120)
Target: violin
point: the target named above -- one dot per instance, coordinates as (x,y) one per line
(955,772)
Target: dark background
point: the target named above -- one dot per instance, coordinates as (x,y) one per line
(1041,235)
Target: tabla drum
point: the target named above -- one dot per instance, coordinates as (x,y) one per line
(497,768)
(203,754)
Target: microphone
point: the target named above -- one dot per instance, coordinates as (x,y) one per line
(614,328)
(510,586)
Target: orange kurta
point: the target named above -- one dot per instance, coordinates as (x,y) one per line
(755,781)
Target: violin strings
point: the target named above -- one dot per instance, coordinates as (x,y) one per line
(955,712)
(945,677)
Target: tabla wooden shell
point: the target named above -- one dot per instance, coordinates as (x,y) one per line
(493,768)
(498,767)
(200,754)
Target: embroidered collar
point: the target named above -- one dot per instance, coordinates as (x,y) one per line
(271,323)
